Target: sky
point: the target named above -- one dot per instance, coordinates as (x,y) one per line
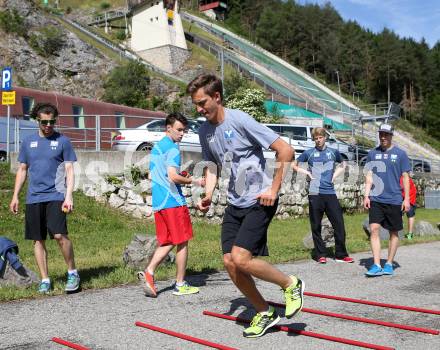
(407,18)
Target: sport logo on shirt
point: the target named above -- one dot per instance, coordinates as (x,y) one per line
(229,134)
(210,137)
(53,145)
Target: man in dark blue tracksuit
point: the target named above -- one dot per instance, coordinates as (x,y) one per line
(322,196)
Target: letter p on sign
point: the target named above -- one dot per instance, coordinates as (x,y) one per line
(7,79)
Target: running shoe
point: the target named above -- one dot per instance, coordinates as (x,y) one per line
(347,259)
(294,297)
(388,269)
(374,271)
(185,289)
(409,236)
(72,284)
(44,287)
(147,282)
(322,260)
(261,323)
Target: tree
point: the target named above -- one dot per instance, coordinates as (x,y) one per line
(432,116)
(251,101)
(234,82)
(127,85)
(48,41)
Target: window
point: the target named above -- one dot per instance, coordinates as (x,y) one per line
(295,132)
(27,104)
(158,125)
(193,126)
(120,120)
(78,119)
(275,128)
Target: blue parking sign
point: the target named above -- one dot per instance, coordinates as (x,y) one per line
(7,79)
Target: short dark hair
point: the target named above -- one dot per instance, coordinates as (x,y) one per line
(176,116)
(44,108)
(209,82)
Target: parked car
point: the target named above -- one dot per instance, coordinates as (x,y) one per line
(417,165)
(26,127)
(300,138)
(145,136)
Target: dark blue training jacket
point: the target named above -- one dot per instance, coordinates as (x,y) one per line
(8,252)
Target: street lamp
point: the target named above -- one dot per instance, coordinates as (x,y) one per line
(339,86)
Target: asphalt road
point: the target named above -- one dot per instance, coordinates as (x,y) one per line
(105,319)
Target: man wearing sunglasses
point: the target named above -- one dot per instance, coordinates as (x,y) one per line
(47,156)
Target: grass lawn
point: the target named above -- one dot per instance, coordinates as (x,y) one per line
(100,234)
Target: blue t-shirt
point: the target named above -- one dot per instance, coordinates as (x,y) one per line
(45,157)
(322,166)
(165,193)
(387,167)
(237,145)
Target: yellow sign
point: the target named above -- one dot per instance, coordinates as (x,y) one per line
(8,97)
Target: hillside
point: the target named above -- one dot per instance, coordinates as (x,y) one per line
(44,55)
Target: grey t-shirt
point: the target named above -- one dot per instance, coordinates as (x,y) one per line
(237,145)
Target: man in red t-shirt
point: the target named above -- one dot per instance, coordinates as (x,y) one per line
(411,214)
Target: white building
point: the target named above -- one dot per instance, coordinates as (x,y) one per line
(157,33)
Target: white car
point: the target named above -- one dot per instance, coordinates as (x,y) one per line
(145,136)
(300,138)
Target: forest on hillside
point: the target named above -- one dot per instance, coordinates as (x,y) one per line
(378,67)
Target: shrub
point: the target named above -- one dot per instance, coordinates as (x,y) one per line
(12,22)
(48,41)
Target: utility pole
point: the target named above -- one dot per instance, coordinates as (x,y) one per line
(222,67)
(339,86)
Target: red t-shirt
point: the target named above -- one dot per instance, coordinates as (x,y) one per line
(412,190)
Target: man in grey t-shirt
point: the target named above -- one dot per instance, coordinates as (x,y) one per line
(234,140)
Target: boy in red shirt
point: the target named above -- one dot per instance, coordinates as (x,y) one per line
(411,214)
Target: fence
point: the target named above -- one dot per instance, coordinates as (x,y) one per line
(97,133)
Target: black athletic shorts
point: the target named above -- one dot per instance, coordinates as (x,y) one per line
(412,211)
(247,228)
(44,217)
(389,216)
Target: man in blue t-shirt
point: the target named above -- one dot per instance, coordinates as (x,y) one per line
(47,157)
(322,196)
(383,197)
(233,140)
(171,214)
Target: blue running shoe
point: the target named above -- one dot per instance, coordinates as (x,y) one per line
(72,284)
(44,288)
(374,270)
(388,269)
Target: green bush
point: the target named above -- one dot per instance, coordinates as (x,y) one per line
(251,101)
(120,35)
(12,22)
(48,41)
(128,85)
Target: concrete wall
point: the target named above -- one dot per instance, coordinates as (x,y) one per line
(92,168)
(150,29)
(169,58)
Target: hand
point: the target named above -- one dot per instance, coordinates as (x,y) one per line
(309,174)
(13,207)
(67,205)
(198,182)
(204,204)
(406,206)
(268,198)
(367,204)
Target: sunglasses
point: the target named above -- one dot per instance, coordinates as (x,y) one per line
(47,122)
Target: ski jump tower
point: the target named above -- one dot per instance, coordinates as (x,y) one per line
(157,33)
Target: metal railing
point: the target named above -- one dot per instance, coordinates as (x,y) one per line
(97,135)
(122,51)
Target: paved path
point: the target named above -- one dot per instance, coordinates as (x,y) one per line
(104,319)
